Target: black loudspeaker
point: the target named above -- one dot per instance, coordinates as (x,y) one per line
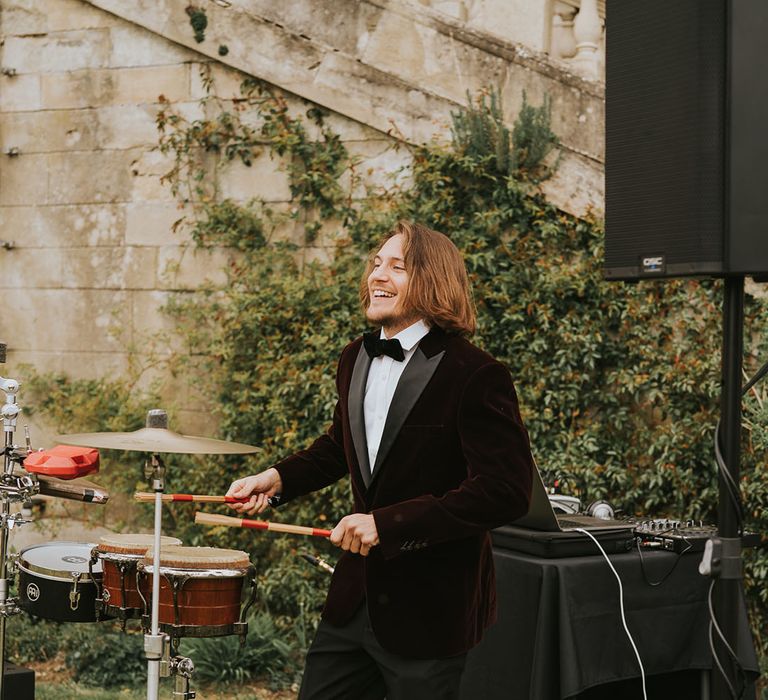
(686,138)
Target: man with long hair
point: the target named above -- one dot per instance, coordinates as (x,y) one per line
(427,427)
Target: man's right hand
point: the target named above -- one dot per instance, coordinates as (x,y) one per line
(259,487)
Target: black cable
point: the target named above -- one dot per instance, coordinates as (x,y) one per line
(734,493)
(739,668)
(671,569)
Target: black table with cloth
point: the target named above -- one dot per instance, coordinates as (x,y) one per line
(559,632)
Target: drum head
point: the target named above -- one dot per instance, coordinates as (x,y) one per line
(132,543)
(59,559)
(199,558)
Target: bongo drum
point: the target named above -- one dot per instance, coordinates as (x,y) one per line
(201,589)
(57,581)
(119,554)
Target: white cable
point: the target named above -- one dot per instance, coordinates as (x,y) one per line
(621,606)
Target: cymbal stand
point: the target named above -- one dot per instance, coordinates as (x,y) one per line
(12,488)
(155,643)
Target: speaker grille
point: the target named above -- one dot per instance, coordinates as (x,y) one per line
(665,111)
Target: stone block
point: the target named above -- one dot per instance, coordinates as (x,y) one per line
(135,46)
(153,328)
(58,51)
(226,81)
(109,268)
(127,126)
(24,17)
(55,130)
(189,267)
(24,180)
(19,93)
(265,179)
(90,177)
(67,320)
(151,224)
(94,88)
(577,184)
(29,268)
(147,170)
(76,14)
(64,226)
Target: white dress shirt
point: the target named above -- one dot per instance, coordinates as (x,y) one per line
(383,377)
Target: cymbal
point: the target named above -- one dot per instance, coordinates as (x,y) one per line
(156,440)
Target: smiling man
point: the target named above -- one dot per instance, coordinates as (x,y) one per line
(427,427)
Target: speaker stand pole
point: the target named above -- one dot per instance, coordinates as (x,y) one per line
(728,589)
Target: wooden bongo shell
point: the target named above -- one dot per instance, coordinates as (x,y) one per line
(119,555)
(208,583)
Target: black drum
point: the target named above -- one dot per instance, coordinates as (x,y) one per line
(55,582)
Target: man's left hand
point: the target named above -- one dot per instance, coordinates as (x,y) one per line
(356,533)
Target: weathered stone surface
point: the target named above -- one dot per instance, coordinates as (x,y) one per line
(58,51)
(131,86)
(42,132)
(129,267)
(89,177)
(24,180)
(127,126)
(23,17)
(151,223)
(66,321)
(265,179)
(74,14)
(133,46)
(406,71)
(19,93)
(29,268)
(64,226)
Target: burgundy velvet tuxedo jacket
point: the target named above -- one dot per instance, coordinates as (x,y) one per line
(454,462)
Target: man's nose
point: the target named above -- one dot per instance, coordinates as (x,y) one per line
(380,273)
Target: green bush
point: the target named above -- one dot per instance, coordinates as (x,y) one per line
(30,639)
(106,659)
(264,655)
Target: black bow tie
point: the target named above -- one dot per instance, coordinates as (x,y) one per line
(375,346)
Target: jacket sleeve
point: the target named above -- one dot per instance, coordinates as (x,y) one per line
(497,488)
(320,465)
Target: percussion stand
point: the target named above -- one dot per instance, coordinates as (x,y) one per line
(155,643)
(12,488)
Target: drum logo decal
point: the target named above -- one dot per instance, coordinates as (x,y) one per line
(71,559)
(33,592)
(106,596)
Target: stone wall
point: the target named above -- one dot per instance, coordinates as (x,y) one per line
(94,256)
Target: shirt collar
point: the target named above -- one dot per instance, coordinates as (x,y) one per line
(408,337)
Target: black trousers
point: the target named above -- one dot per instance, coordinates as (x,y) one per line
(347,663)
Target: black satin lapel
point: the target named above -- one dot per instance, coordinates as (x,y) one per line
(411,385)
(355,402)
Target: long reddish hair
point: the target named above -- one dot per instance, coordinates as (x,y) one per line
(438,284)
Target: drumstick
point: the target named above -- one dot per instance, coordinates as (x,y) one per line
(150,497)
(214,519)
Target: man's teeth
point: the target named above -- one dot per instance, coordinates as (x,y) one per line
(379,293)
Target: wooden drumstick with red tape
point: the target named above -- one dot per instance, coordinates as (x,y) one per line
(229,521)
(189,498)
